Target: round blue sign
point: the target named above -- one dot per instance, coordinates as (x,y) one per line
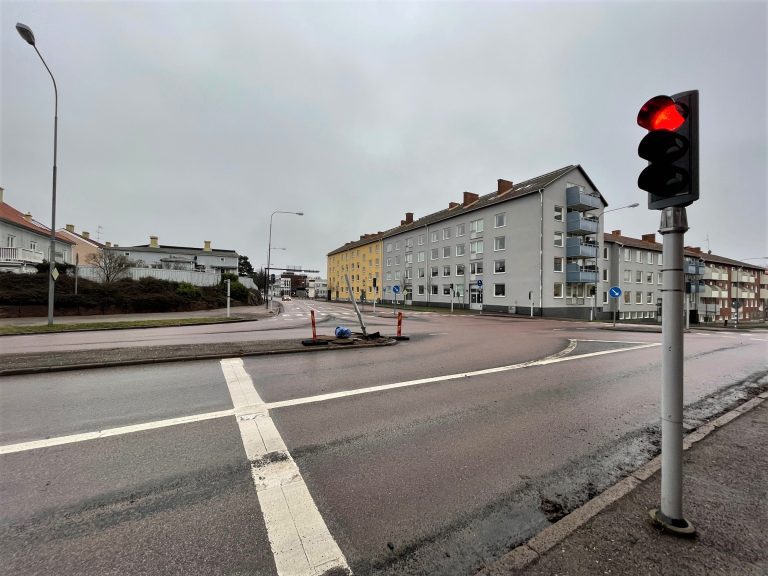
(479,283)
(396,289)
(614,292)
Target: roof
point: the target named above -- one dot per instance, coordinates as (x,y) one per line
(657,247)
(10,215)
(176,249)
(517,191)
(80,238)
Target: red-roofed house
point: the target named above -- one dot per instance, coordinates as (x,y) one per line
(24,242)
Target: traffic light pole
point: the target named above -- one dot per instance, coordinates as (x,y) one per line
(674,224)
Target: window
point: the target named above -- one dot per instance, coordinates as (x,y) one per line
(605,297)
(433,271)
(33,246)
(446,270)
(605,275)
(459,269)
(389,261)
(433,236)
(558,213)
(420,256)
(658,259)
(409,258)
(446,233)
(408,273)
(605,253)
(500,243)
(627,275)
(434,289)
(433,254)
(639,256)
(397,245)
(446,251)
(649,277)
(638,275)
(649,257)
(476,247)
(476,226)
(558,239)
(499,290)
(500,220)
(446,289)
(388,275)
(397,274)
(628,297)
(638,297)
(409,242)
(499,266)
(397,260)
(421,290)
(461,229)
(649,298)
(558,290)
(475,267)
(459,249)
(421,240)
(627,254)
(558,264)
(658,277)
(421,273)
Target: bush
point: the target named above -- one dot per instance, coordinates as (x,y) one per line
(189,291)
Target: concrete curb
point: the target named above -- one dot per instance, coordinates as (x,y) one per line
(233,321)
(525,554)
(193,357)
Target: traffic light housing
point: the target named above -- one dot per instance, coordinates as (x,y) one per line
(671,148)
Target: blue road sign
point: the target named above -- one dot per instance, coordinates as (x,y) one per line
(614,292)
(479,283)
(396,289)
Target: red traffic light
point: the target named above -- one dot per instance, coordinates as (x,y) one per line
(661,113)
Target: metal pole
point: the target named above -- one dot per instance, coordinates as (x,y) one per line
(77,263)
(738,295)
(269,256)
(354,304)
(674,224)
(228,297)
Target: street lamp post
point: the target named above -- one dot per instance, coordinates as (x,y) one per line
(26,33)
(269,253)
(597,271)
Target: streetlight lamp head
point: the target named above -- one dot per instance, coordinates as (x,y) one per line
(300,213)
(635,205)
(26,33)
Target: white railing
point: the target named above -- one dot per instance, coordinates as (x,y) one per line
(196,278)
(21,255)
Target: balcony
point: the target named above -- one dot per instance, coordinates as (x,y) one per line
(575,223)
(694,268)
(742,277)
(576,247)
(581,274)
(764,293)
(714,275)
(577,199)
(21,255)
(741,293)
(713,292)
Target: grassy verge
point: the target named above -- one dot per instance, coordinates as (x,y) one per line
(120,325)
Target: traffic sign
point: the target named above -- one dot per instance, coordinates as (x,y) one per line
(396,289)
(614,292)
(479,283)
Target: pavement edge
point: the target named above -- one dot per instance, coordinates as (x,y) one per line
(521,556)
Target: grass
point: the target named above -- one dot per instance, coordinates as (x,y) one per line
(119,325)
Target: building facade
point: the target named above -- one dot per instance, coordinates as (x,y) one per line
(156,256)
(83,245)
(526,248)
(361,261)
(317,288)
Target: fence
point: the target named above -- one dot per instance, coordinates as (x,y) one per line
(192,277)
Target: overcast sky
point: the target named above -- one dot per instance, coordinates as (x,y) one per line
(193,121)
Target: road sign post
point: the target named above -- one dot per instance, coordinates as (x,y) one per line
(615,293)
(395,291)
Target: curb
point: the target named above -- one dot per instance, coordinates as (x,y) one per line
(521,556)
(233,321)
(141,361)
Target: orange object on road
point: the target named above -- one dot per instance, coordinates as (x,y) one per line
(399,323)
(314,332)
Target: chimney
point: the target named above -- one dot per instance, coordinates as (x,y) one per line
(469,198)
(1,194)
(409,217)
(649,238)
(616,232)
(108,244)
(153,242)
(504,186)
(70,228)
(452,205)
(696,249)
(28,216)
(86,235)
(206,245)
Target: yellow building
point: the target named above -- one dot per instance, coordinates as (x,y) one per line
(362,261)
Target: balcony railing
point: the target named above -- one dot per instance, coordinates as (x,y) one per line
(714,275)
(575,247)
(21,255)
(577,199)
(741,293)
(743,277)
(713,292)
(575,223)
(694,268)
(764,293)
(579,274)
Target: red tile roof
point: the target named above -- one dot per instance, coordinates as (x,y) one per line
(9,214)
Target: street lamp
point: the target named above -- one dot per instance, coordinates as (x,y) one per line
(26,33)
(597,271)
(269,253)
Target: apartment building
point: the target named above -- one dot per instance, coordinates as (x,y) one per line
(361,261)
(531,246)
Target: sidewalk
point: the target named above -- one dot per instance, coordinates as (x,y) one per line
(725,497)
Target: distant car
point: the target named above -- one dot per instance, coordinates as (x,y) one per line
(286,298)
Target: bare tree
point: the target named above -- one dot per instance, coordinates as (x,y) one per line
(111,264)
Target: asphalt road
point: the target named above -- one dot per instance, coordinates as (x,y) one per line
(409,476)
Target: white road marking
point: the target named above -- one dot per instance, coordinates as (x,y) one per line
(759,339)
(35,444)
(301,542)
(549,360)
(438,333)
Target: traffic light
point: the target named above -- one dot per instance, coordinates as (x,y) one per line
(671,148)
(271,278)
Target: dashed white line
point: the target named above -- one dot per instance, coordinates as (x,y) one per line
(301,542)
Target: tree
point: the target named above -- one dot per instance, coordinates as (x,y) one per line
(244,267)
(111,264)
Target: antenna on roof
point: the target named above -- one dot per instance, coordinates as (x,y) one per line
(707,239)
(98,233)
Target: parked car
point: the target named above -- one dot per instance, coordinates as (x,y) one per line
(286,298)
